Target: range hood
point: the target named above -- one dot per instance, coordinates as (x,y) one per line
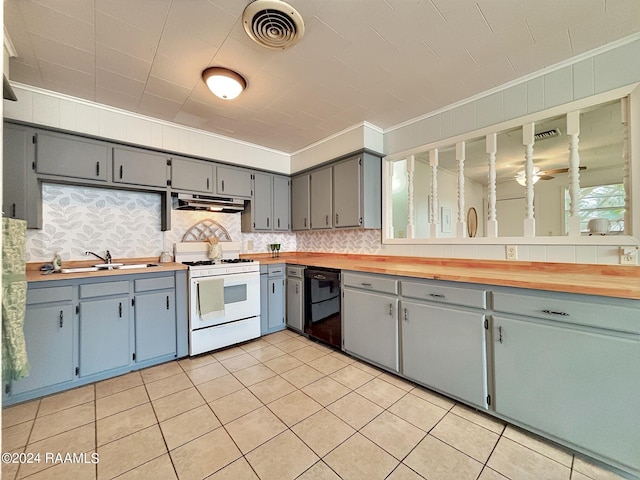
(187,201)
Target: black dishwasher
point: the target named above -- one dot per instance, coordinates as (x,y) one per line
(322,305)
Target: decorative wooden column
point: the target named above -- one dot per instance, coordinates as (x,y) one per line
(411,216)
(626,160)
(573,131)
(527,141)
(460,157)
(492,222)
(433,163)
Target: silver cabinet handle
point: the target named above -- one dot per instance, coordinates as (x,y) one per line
(207,184)
(326,220)
(305,222)
(97,169)
(297,289)
(120,309)
(223,185)
(121,171)
(437,295)
(391,309)
(406,315)
(365,284)
(167,302)
(61,318)
(337,219)
(500,334)
(553,312)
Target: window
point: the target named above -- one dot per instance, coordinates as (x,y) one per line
(601,201)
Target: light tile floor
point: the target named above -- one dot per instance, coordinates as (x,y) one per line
(281,407)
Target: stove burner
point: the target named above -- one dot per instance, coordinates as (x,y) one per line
(213,262)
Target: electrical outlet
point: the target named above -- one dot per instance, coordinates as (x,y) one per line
(250,245)
(512,252)
(628,255)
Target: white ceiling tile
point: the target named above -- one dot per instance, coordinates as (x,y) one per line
(51,51)
(158,107)
(197,18)
(165,68)
(58,74)
(79,9)
(121,62)
(119,83)
(116,99)
(57,26)
(170,91)
(121,36)
(146,15)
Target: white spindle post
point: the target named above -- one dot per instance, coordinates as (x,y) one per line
(492,148)
(460,157)
(411,217)
(573,131)
(433,163)
(626,182)
(527,141)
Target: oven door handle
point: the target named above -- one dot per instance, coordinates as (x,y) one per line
(231,279)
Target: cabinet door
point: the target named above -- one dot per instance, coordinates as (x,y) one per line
(280,203)
(264,301)
(233,182)
(321,199)
(21,194)
(48,332)
(139,167)
(577,385)
(261,202)
(276,303)
(104,335)
(347,193)
(58,154)
(434,337)
(295,306)
(191,175)
(300,203)
(370,327)
(155,325)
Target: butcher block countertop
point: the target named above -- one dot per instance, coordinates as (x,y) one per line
(35,275)
(607,280)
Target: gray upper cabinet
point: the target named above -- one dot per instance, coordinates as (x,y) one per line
(139,167)
(321,198)
(261,202)
(233,182)
(281,202)
(192,175)
(300,203)
(71,156)
(21,197)
(357,192)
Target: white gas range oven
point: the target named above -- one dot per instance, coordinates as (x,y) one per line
(224,296)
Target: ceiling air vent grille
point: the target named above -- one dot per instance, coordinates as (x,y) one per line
(547,134)
(273,24)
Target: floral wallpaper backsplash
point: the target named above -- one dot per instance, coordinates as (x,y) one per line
(340,241)
(77,219)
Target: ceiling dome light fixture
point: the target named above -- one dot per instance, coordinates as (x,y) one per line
(224,83)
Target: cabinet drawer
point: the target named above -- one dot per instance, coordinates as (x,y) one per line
(571,309)
(434,292)
(275,270)
(103,289)
(48,295)
(295,272)
(146,284)
(370,282)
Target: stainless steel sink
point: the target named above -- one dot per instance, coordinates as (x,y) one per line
(79,270)
(114,266)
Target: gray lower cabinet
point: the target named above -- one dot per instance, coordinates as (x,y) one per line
(48,331)
(321,198)
(300,203)
(155,318)
(571,371)
(295,297)
(370,327)
(192,175)
(21,196)
(139,167)
(105,328)
(233,182)
(272,298)
(444,348)
(72,156)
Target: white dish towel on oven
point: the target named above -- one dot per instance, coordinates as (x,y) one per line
(211,299)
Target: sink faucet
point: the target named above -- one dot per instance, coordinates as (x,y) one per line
(105,259)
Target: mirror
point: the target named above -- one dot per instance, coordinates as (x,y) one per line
(601,192)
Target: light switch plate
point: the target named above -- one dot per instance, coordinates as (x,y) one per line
(250,245)
(511,252)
